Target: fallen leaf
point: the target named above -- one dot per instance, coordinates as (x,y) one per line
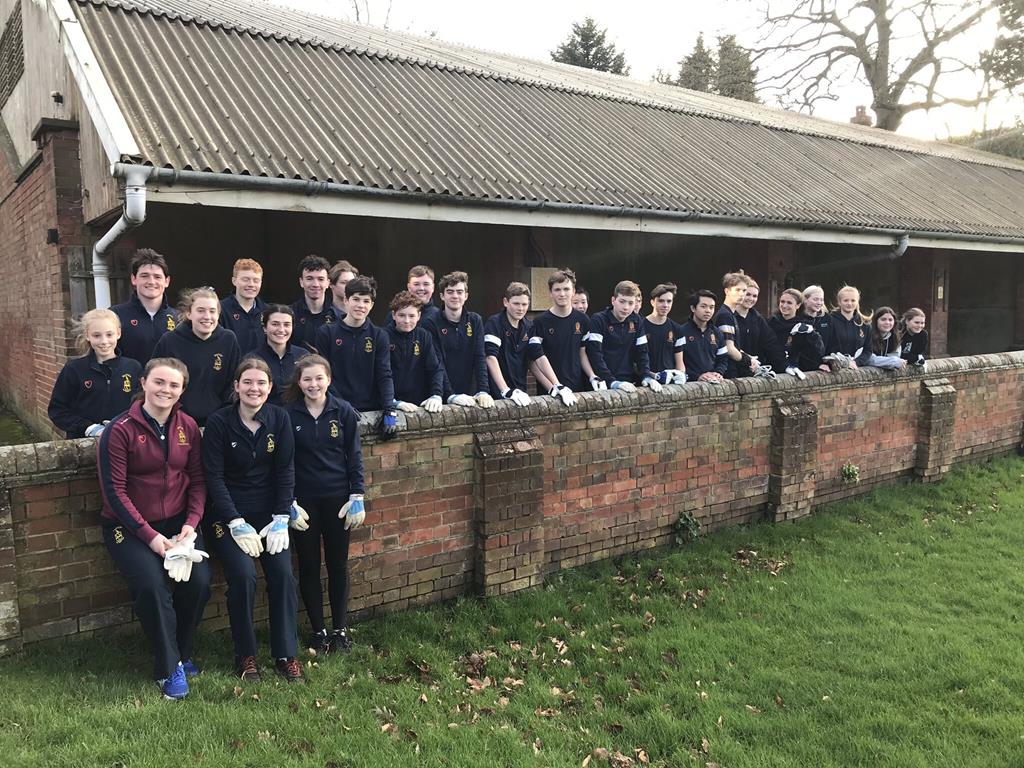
(536,746)
(778,701)
(586,762)
(502,701)
(515,645)
(705,746)
(238,691)
(545,712)
(641,756)
(752,709)
(423,698)
(387,727)
(718,722)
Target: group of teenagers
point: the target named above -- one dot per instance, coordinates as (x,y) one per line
(277,390)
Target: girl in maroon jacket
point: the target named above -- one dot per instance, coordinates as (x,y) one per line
(151,479)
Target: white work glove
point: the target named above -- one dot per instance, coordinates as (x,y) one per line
(405,407)
(597,383)
(623,386)
(651,384)
(801,328)
(94,430)
(464,400)
(178,560)
(298,518)
(353,512)
(794,371)
(517,396)
(671,376)
(484,400)
(276,534)
(563,393)
(432,404)
(245,537)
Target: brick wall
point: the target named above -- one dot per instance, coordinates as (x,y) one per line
(34,309)
(491,502)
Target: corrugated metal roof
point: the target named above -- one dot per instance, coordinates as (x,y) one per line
(250,88)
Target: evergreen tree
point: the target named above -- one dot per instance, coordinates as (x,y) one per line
(736,75)
(698,71)
(587,47)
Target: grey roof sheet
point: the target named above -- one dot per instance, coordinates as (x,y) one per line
(245,87)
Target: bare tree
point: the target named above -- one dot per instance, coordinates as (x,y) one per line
(913,54)
(361,9)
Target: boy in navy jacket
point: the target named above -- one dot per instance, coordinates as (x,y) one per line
(242,311)
(616,345)
(506,337)
(415,366)
(460,340)
(146,316)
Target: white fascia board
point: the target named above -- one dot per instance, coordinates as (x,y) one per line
(354,205)
(99,100)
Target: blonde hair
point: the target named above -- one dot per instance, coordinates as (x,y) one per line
(858,315)
(809,291)
(81,327)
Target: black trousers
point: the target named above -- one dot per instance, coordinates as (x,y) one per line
(240,574)
(324,524)
(169,611)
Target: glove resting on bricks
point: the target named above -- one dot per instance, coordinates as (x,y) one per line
(651,384)
(517,396)
(597,383)
(432,404)
(484,400)
(463,400)
(624,386)
(563,393)
(388,424)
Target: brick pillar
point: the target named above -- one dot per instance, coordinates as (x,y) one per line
(935,429)
(510,513)
(10,619)
(924,283)
(794,454)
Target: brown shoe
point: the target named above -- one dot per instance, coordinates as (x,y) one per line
(248,669)
(290,670)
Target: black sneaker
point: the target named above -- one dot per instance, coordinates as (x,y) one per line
(290,670)
(339,641)
(248,669)
(317,644)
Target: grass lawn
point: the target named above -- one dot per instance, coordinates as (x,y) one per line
(883,632)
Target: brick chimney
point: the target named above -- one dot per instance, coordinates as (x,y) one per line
(862,117)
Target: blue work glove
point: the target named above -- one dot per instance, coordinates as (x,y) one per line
(245,537)
(389,424)
(276,534)
(353,512)
(94,430)
(298,518)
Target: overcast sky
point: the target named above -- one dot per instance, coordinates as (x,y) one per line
(652,35)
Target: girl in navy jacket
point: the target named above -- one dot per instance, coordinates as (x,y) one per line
(209,351)
(329,487)
(850,331)
(153,491)
(913,337)
(92,389)
(277,350)
(248,454)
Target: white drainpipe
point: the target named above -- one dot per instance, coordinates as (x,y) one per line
(133,215)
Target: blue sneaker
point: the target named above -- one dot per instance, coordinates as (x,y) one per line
(191,670)
(175,687)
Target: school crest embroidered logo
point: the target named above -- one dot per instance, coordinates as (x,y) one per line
(416,349)
(328,320)
(368,345)
(860,333)
(577,331)
(671,335)
(182,439)
(118,534)
(270,443)
(713,339)
(135,322)
(170,323)
(338,342)
(551,331)
(235,315)
(126,382)
(334,428)
(218,530)
(218,361)
(444,331)
(87,383)
(469,329)
(632,327)
(142,439)
(689,338)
